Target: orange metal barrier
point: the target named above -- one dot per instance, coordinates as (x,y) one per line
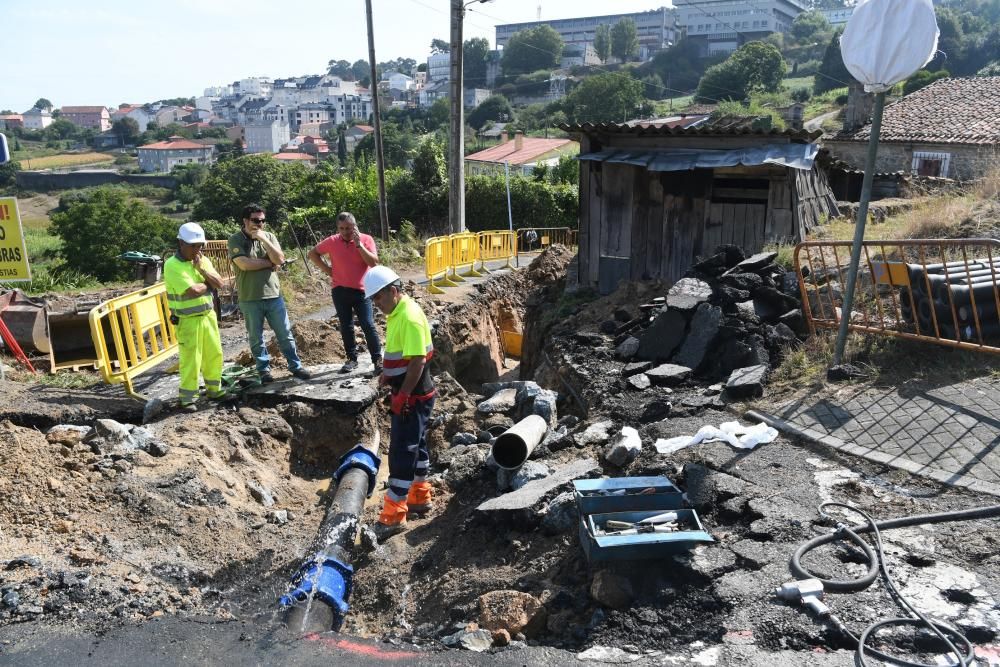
(464,252)
(437,263)
(132,334)
(495,245)
(535,239)
(941,291)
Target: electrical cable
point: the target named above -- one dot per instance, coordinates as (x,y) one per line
(876,565)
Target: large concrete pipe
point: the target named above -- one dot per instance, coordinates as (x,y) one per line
(319,600)
(513,447)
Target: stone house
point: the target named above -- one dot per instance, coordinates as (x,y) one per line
(949,129)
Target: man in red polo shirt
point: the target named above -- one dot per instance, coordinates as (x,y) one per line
(350,254)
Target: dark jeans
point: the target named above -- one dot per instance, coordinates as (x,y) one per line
(347,302)
(408,453)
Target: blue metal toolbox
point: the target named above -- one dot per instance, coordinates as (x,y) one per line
(623,494)
(599,547)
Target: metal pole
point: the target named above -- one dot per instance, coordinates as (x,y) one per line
(510,213)
(456,173)
(859,230)
(383,211)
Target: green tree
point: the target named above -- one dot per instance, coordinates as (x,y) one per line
(97,229)
(361,70)
(602,42)
(603,98)
(474,54)
(438,115)
(396,146)
(236,182)
(191,175)
(60,128)
(440,46)
(43,103)
(567,170)
(493,108)
(340,68)
(993,69)
(342,147)
(624,40)
(754,67)
(922,79)
(532,50)
(8,173)
(126,129)
(807,26)
(832,72)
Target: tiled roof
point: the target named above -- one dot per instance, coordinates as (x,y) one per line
(364,128)
(11,116)
(531,149)
(948,111)
(83,109)
(177,144)
(293,156)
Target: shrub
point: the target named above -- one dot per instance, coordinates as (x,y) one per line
(102,225)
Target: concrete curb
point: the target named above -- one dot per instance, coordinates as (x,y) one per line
(874,455)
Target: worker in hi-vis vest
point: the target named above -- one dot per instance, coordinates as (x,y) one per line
(190,277)
(406,370)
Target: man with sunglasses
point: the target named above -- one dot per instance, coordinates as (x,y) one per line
(256,256)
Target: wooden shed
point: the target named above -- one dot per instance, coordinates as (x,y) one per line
(655,196)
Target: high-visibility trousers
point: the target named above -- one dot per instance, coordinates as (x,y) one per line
(200,349)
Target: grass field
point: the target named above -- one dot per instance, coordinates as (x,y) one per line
(66,160)
(799,82)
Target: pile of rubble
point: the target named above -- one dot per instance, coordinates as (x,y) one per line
(712,337)
(731,318)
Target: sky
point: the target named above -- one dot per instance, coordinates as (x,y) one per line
(86,53)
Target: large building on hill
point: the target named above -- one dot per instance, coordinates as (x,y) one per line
(721,26)
(656,29)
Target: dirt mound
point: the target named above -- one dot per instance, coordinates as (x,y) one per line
(110,538)
(550,266)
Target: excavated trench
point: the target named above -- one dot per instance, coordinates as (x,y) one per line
(134,536)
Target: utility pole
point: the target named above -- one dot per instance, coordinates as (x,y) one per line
(383,211)
(456,168)
(456,152)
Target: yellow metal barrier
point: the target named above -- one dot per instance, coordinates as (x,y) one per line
(534,239)
(495,245)
(218,252)
(437,263)
(132,334)
(464,252)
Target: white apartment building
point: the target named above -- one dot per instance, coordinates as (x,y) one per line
(439,67)
(165,155)
(721,26)
(656,29)
(266,136)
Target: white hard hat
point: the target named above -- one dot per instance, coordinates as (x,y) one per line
(378,277)
(191,232)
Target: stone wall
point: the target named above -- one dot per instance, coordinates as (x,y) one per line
(41,180)
(967,162)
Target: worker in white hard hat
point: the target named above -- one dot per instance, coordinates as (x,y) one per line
(406,371)
(190,277)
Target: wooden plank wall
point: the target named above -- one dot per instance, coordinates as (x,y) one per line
(583,224)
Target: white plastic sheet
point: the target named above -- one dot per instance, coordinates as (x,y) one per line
(886,41)
(737,435)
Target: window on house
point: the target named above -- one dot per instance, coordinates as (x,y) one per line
(931,164)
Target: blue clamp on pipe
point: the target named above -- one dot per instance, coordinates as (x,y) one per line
(330,581)
(363,458)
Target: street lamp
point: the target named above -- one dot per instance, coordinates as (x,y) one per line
(456,176)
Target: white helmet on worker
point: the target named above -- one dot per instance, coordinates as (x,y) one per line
(378,277)
(191,232)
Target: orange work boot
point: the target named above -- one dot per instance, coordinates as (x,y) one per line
(418,500)
(392,520)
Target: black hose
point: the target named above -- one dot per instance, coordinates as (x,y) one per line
(876,564)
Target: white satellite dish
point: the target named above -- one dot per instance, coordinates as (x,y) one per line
(886,41)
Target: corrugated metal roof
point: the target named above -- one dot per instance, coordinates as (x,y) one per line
(659,130)
(795,156)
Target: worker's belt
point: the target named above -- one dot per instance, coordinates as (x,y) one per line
(420,398)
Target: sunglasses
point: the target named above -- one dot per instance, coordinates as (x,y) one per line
(258,221)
